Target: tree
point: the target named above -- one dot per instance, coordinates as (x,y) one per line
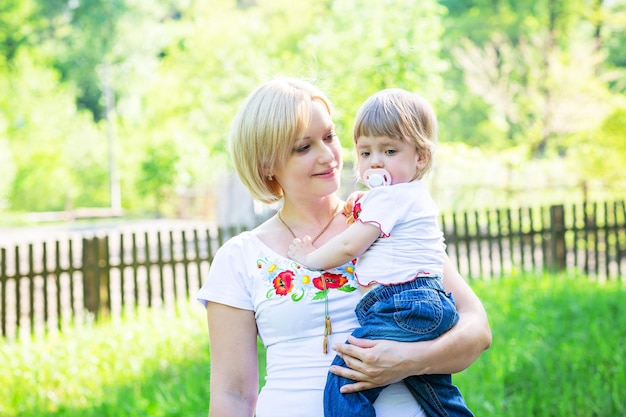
(600,154)
(535,98)
(360,47)
(158,172)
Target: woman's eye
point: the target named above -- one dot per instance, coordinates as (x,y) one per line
(331,136)
(303,148)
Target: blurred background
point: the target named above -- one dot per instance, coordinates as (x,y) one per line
(122,107)
(116,187)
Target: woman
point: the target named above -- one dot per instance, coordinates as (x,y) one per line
(284,147)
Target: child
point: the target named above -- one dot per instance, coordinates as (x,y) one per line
(399,247)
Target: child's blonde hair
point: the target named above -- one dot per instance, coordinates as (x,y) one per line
(268,124)
(399,114)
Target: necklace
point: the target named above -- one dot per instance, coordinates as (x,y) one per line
(327,325)
(335,212)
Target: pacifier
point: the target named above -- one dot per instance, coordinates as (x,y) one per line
(376,177)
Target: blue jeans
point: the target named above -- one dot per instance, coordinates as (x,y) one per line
(413,311)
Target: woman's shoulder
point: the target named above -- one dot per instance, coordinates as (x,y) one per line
(259,242)
(239,240)
(242,243)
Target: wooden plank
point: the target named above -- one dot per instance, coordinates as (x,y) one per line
(57,282)
(479,244)
(173,267)
(148,266)
(135,265)
(160,263)
(31,288)
(18,294)
(466,242)
(3,289)
(44,275)
(185,261)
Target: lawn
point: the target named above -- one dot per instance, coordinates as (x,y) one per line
(558,350)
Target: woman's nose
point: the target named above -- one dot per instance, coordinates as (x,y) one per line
(326,154)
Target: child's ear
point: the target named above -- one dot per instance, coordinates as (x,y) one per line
(422,159)
(421,162)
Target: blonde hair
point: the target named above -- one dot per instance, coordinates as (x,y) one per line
(268,124)
(399,114)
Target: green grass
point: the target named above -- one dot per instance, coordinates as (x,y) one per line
(154,364)
(558,350)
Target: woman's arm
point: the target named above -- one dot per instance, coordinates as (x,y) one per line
(234,361)
(375,363)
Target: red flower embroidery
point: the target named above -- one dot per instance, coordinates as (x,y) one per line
(356,211)
(283,283)
(332,281)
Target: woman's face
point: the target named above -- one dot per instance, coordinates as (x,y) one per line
(313,168)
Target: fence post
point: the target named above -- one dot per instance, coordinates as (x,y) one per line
(557,238)
(95,277)
(3,289)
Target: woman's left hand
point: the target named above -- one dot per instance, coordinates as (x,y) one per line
(377,363)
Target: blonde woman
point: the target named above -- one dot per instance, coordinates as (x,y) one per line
(284,148)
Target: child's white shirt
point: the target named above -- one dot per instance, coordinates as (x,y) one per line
(411,244)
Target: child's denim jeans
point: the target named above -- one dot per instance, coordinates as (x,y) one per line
(414,311)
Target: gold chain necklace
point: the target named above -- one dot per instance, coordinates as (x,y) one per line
(327,325)
(335,212)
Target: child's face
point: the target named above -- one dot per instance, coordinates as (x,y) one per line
(397,157)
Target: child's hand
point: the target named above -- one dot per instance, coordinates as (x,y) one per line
(298,249)
(349,205)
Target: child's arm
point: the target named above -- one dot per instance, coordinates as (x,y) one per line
(343,248)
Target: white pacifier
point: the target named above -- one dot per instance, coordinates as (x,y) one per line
(376,177)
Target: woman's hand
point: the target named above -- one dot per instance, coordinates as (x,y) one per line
(376,363)
(372,363)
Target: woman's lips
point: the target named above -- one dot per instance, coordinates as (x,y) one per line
(327,173)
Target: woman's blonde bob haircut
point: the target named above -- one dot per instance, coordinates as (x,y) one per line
(264,132)
(399,114)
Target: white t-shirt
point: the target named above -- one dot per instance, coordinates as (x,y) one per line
(288,303)
(410,244)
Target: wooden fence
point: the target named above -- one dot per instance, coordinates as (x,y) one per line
(588,238)
(47,286)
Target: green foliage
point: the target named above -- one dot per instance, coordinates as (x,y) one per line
(158,173)
(533,99)
(15,35)
(509,76)
(388,44)
(615,21)
(532,63)
(599,154)
(7,172)
(54,146)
